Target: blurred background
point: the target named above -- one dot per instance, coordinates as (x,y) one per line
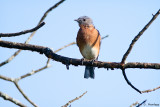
(53,87)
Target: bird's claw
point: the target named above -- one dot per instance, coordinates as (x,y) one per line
(82,60)
(92,61)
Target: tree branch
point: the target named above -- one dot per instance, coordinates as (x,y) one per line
(77,98)
(7,97)
(6,78)
(50,9)
(65,60)
(30,37)
(134,104)
(150,90)
(128,82)
(141,103)
(72,43)
(24,95)
(138,36)
(33,72)
(22,32)
(131,46)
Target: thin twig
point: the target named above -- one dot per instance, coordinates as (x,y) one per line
(64,47)
(134,104)
(33,72)
(7,97)
(138,36)
(105,37)
(22,32)
(24,95)
(30,37)
(50,9)
(6,78)
(150,90)
(77,98)
(128,82)
(141,103)
(10,58)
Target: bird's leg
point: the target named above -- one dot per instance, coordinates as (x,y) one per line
(92,61)
(82,60)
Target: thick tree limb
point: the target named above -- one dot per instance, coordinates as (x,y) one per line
(7,97)
(65,60)
(77,98)
(30,37)
(22,32)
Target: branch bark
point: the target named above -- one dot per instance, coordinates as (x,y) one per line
(77,98)
(67,61)
(22,32)
(24,95)
(7,97)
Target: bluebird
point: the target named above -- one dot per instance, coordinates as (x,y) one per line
(88,40)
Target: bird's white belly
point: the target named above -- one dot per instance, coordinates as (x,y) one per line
(89,52)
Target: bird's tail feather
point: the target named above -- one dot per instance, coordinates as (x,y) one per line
(89,72)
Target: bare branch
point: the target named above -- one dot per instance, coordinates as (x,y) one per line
(141,103)
(105,37)
(22,32)
(150,90)
(30,37)
(131,46)
(77,98)
(138,36)
(33,72)
(134,104)
(24,95)
(10,58)
(128,82)
(50,9)
(72,43)
(65,60)
(6,78)
(7,97)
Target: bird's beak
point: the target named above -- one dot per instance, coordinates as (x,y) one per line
(76,20)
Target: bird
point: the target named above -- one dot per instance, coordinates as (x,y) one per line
(88,40)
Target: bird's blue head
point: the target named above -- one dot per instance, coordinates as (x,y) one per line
(84,20)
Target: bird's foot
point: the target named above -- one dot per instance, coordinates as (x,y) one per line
(82,60)
(92,61)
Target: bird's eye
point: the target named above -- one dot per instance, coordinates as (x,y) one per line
(84,19)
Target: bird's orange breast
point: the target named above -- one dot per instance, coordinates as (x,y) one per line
(88,41)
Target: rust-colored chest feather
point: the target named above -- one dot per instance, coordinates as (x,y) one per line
(88,41)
